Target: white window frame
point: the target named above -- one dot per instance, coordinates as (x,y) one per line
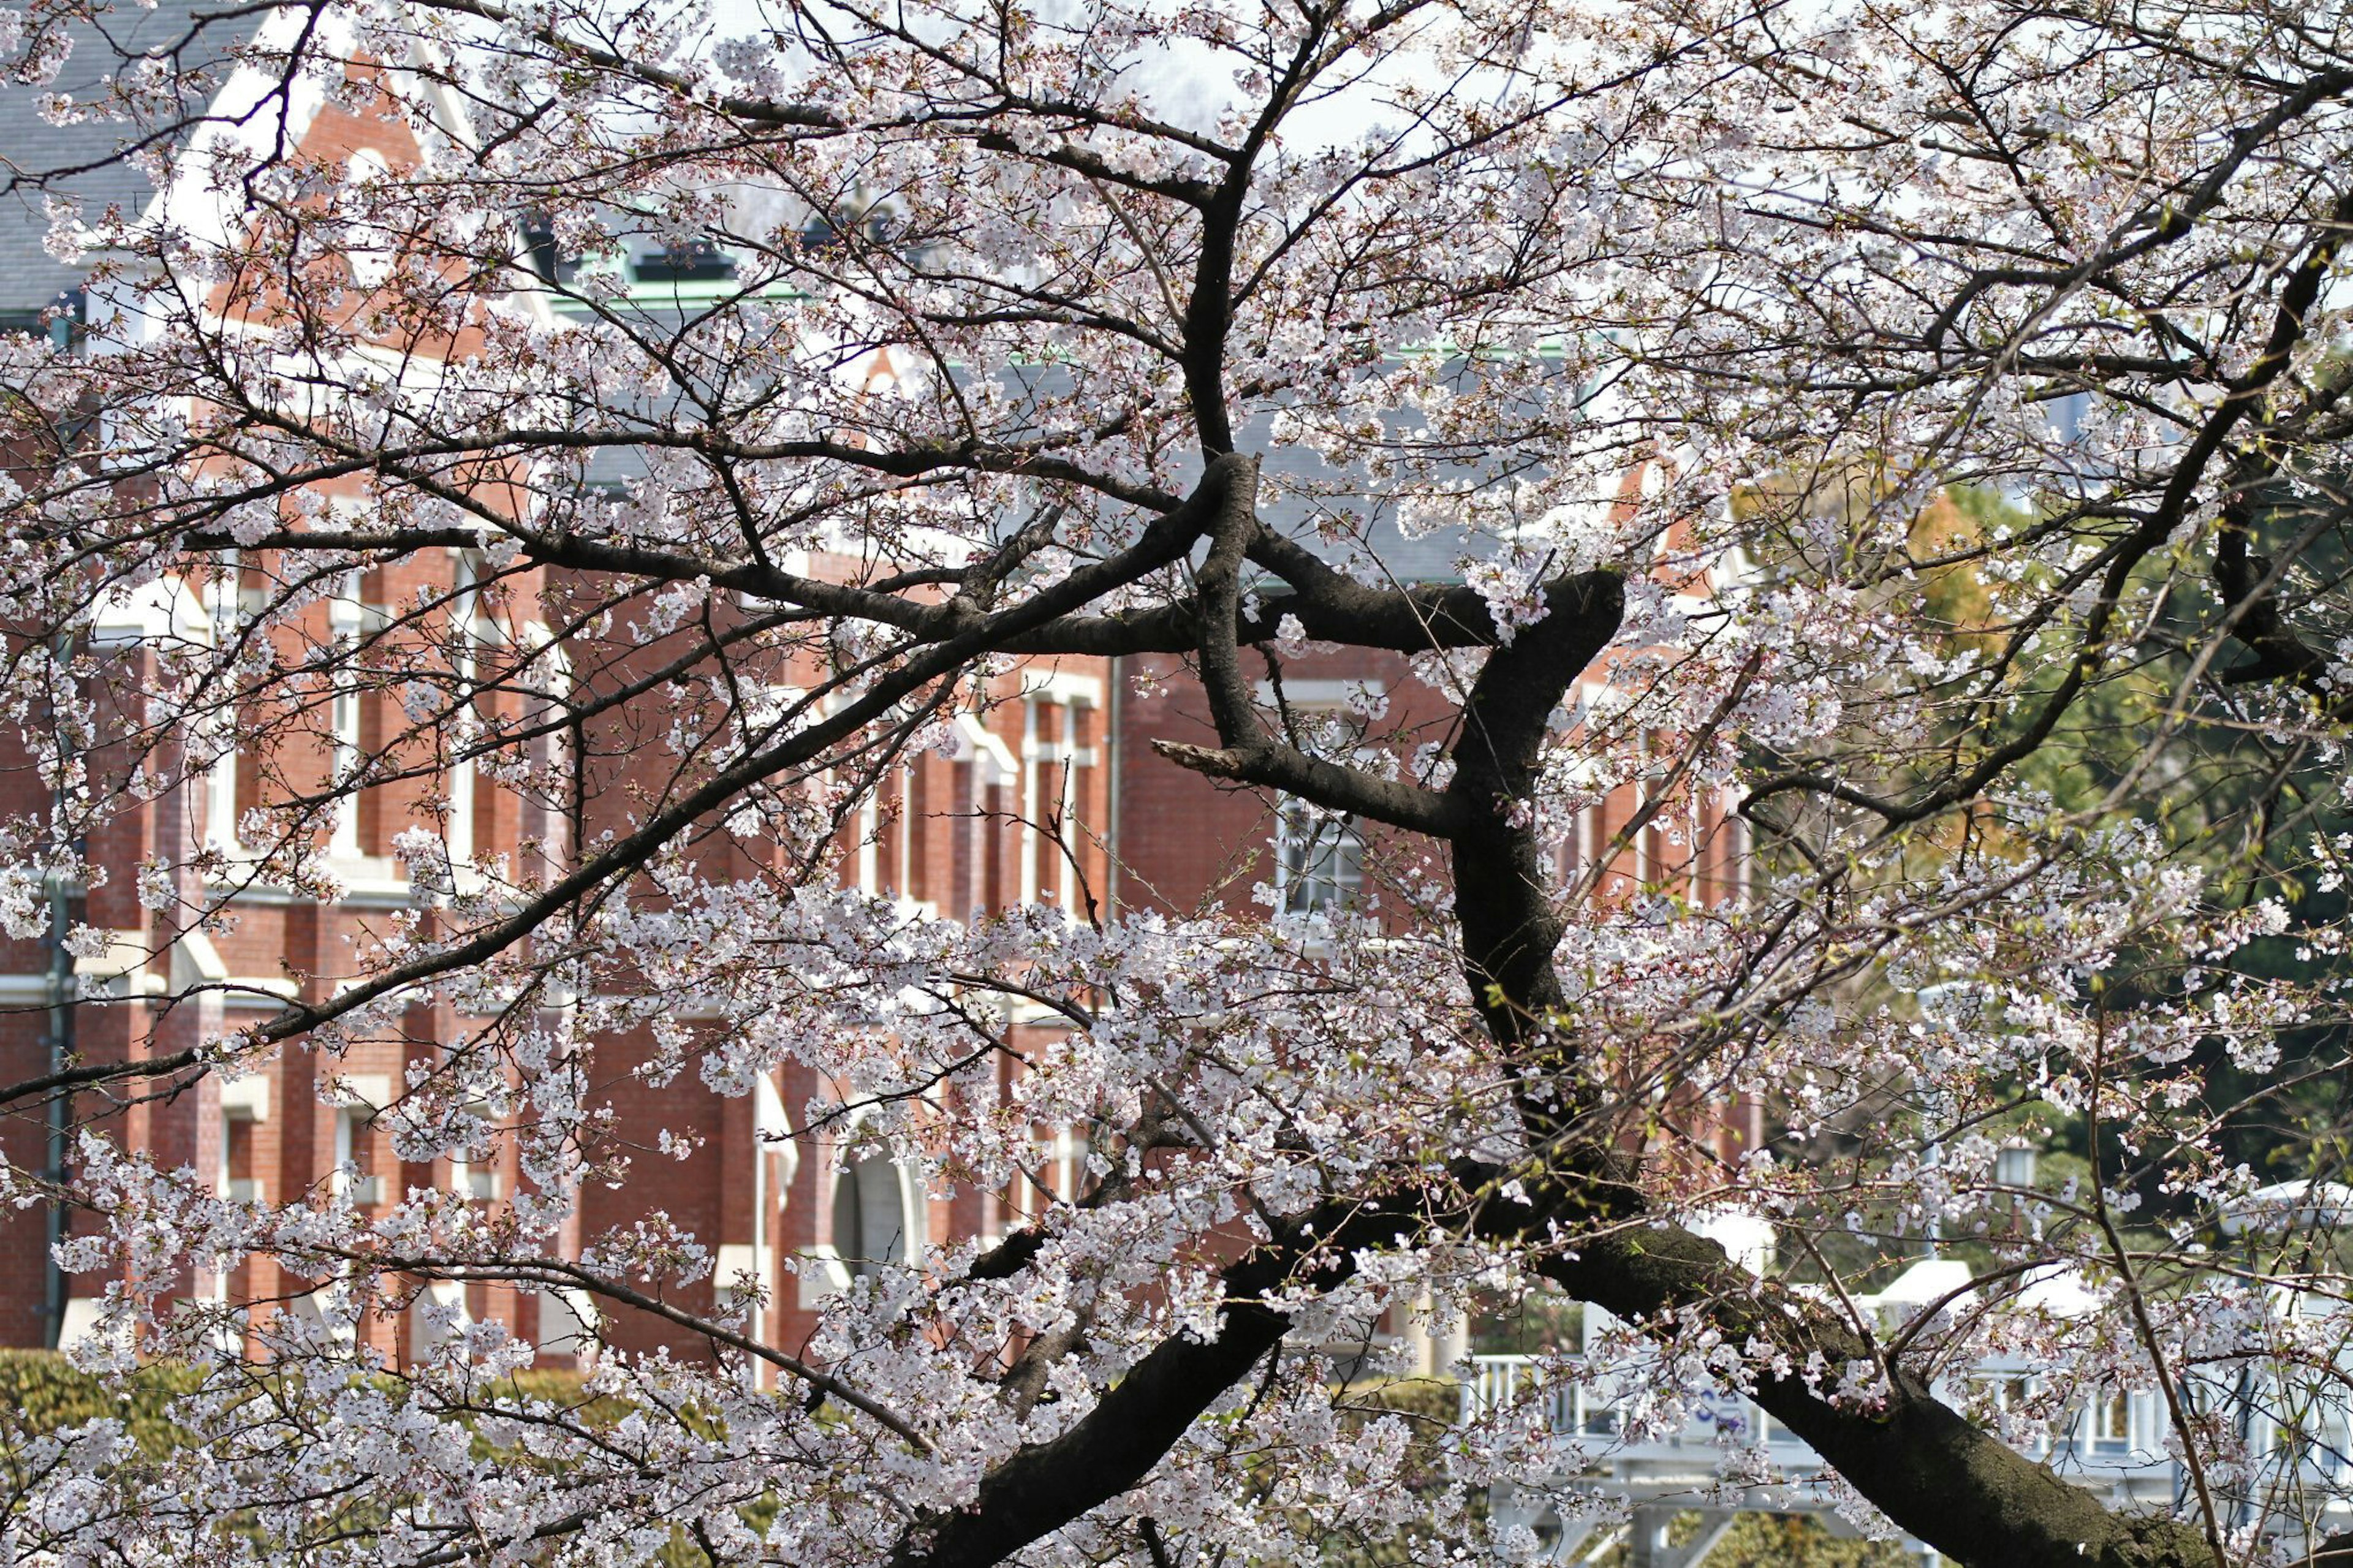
(903,833)
(913,1238)
(221,778)
(465,607)
(1291,814)
(351,1125)
(1030,798)
(1066,759)
(2104,1423)
(1323,836)
(1052,744)
(466,1181)
(345,615)
(242,1189)
(870,848)
(235,1189)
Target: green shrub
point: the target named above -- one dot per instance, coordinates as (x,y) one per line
(40,1391)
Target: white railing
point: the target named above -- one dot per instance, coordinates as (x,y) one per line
(1579,1410)
(2123,1434)
(2117,1444)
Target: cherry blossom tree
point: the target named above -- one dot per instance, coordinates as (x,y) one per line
(1980,355)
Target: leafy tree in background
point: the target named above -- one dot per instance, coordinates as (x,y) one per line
(1483,262)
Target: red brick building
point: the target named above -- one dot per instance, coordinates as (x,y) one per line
(1049,792)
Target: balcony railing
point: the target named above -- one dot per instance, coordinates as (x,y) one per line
(2125,1434)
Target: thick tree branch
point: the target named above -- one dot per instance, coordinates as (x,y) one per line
(1247,753)
(1145,1414)
(1502,889)
(1167,541)
(1936,1475)
(2247,581)
(1329,608)
(1269,764)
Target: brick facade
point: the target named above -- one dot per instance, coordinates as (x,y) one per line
(1020,807)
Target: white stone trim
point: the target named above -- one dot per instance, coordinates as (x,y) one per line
(976,743)
(742,1266)
(365,1090)
(772,1126)
(1063,686)
(24,990)
(830,1277)
(246,1098)
(1322,693)
(163,611)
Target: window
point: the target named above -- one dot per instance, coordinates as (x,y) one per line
(221,780)
(60,321)
(1036,871)
(465,610)
(355,1174)
(470,1180)
(539,248)
(2106,1424)
(1319,860)
(1058,756)
(867,859)
(240,1182)
(238,1179)
(876,1217)
(343,715)
(1055,1172)
(692,258)
(467,1180)
(344,620)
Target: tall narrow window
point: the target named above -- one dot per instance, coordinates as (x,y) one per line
(1065,830)
(239,1177)
(343,720)
(465,607)
(239,1180)
(1081,759)
(1319,860)
(877,1218)
(355,1172)
(907,838)
(869,829)
(2106,1424)
(928,863)
(220,780)
(345,715)
(1032,743)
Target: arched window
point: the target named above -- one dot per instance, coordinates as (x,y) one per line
(878,1216)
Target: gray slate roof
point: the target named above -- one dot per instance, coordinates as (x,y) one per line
(38,158)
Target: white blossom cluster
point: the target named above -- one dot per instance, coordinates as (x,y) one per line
(1930,419)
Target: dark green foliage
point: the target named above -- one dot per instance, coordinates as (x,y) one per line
(1431,1406)
(1776,1540)
(1796,1540)
(41,1392)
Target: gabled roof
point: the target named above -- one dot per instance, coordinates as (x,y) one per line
(81,159)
